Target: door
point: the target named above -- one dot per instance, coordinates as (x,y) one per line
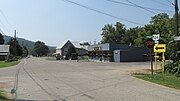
(116,55)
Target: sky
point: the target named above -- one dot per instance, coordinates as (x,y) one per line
(56,21)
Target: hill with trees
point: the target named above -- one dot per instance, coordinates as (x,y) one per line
(23,42)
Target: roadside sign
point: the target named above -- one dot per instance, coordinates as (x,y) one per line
(158,48)
(156,38)
(149,44)
(177,38)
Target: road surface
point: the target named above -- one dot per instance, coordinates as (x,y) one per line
(40,79)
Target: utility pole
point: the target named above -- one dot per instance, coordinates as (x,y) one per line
(15,34)
(176,17)
(15,42)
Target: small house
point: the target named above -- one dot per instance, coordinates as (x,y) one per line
(4,52)
(63,49)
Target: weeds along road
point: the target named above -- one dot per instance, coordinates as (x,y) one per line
(40,79)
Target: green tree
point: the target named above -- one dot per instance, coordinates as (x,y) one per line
(15,48)
(71,52)
(113,34)
(159,24)
(25,51)
(1,39)
(40,49)
(130,35)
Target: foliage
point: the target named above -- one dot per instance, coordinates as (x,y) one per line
(113,34)
(23,42)
(25,51)
(58,57)
(15,48)
(173,67)
(85,57)
(40,49)
(51,51)
(1,39)
(159,24)
(71,53)
(3,96)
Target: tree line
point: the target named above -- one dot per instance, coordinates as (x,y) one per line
(17,51)
(161,24)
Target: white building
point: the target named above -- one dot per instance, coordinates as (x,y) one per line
(62,49)
(4,51)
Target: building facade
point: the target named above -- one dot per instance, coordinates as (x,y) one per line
(63,49)
(4,52)
(118,53)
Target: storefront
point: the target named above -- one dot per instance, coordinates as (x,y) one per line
(117,53)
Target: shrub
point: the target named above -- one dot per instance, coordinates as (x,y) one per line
(173,68)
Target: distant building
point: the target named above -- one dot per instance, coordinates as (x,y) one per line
(118,53)
(62,50)
(4,51)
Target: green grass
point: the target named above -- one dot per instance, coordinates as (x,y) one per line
(3,96)
(50,58)
(168,80)
(8,64)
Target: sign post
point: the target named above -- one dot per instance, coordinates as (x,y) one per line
(150,45)
(156,38)
(160,48)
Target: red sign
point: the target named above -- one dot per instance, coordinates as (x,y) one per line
(150,44)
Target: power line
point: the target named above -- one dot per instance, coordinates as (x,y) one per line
(1,31)
(127,4)
(163,3)
(169,1)
(98,11)
(3,26)
(140,7)
(6,19)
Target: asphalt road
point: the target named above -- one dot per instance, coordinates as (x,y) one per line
(40,79)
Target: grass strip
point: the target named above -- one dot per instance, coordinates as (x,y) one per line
(168,80)
(8,64)
(3,96)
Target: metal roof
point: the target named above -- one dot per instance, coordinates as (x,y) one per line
(75,44)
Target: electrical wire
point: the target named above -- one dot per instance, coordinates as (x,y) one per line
(6,19)
(162,3)
(140,7)
(8,23)
(127,4)
(169,1)
(98,11)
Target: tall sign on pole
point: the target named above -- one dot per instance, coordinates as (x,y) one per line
(156,38)
(150,45)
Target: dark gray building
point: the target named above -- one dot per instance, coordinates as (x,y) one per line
(118,53)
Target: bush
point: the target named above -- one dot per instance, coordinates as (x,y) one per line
(12,58)
(58,57)
(173,68)
(85,57)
